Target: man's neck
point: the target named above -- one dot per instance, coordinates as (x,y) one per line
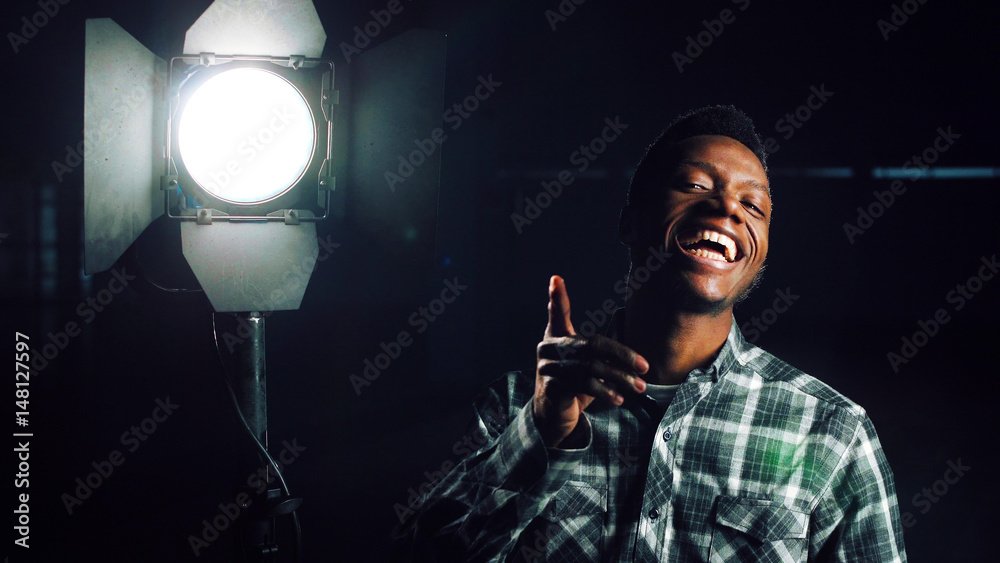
(672,340)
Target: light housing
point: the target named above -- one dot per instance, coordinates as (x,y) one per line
(249,138)
(257,254)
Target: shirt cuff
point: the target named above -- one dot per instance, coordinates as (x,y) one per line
(528,464)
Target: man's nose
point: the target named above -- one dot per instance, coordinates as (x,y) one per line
(727,204)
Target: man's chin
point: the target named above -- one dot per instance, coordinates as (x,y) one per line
(710,302)
(678,292)
(672,291)
(701,304)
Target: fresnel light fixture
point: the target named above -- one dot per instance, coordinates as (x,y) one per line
(235,141)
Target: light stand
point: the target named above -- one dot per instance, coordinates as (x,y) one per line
(254,255)
(251,383)
(249,393)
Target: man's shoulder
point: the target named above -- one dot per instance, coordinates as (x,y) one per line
(782,377)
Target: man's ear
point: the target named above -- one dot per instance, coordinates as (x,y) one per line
(626,226)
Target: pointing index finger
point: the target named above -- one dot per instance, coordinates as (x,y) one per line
(559,312)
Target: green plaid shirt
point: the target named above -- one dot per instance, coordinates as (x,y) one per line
(753,460)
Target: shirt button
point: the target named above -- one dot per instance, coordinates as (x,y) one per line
(667,434)
(653,514)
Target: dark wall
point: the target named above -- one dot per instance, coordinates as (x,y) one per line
(854,297)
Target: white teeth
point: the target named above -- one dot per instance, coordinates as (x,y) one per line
(713,236)
(710,254)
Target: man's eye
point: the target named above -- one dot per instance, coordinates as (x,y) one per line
(691,186)
(753,207)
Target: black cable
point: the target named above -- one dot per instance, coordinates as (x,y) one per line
(149,279)
(260,447)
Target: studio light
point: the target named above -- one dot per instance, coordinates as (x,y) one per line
(234,140)
(242,140)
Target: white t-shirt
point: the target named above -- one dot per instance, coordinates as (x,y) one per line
(662,394)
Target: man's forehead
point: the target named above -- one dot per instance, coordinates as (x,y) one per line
(700,144)
(712,153)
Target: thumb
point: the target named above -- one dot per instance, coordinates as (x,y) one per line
(559,321)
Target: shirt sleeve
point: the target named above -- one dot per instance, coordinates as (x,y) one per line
(857,516)
(478,511)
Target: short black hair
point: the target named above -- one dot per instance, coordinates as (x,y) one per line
(727,121)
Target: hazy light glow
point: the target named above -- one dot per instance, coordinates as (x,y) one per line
(246,135)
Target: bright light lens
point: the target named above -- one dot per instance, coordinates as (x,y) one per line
(246,135)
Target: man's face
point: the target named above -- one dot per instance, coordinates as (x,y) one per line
(708,204)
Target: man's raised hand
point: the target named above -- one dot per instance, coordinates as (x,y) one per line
(572,371)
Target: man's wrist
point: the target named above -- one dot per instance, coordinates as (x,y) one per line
(578,438)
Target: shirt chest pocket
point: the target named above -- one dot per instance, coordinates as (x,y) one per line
(575,498)
(570,527)
(758,530)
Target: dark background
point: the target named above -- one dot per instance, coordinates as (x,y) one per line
(363,453)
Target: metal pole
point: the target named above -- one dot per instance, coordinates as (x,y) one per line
(251,383)
(250,386)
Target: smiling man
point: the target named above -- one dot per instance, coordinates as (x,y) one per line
(671,438)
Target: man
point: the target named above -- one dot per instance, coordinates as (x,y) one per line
(671,439)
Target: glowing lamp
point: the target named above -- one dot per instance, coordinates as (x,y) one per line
(246,135)
(249,138)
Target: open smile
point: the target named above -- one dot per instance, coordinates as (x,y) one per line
(710,245)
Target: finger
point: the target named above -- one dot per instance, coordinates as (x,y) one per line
(601,389)
(597,348)
(576,376)
(559,321)
(564,386)
(604,347)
